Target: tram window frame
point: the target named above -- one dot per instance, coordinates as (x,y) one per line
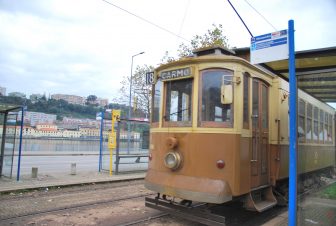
(156,100)
(166,117)
(331,122)
(315,124)
(229,109)
(309,121)
(325,128)
(301,121)
(246,100)
(321,126)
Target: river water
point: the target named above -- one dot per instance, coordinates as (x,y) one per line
(56,146)
(56,156)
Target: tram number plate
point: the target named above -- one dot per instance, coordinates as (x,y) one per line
(150,78)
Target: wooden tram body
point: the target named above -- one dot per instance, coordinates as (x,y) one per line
(219,130)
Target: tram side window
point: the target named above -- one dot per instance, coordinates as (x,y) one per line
(156,101)
(321,126)
(213,112)
(309,122)
(301,123)
(325,129)
(330,131)
(246,101)
(315,125)
(178,101)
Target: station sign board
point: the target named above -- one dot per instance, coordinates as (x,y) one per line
(269,47)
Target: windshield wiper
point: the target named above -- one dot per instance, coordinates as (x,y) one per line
(175,113)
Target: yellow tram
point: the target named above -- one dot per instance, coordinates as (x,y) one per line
(219,130)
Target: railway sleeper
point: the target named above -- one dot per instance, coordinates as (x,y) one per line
(196,213)
(260,200)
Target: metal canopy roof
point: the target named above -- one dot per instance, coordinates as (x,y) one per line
(5,108)
(315,71)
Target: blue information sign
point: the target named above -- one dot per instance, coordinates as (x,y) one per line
(269,47)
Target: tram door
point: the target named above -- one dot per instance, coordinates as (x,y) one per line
(260,146)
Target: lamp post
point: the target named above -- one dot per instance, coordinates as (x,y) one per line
(129,103)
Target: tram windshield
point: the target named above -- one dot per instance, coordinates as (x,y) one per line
(178,101)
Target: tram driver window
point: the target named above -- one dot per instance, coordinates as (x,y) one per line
(178,101)
(213,112)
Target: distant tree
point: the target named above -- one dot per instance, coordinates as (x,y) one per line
(213,37)
(167,59)
(91,98)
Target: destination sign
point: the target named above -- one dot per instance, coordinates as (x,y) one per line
(176,74)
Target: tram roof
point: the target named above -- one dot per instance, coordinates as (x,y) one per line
(315,71)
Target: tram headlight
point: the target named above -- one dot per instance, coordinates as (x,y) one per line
(172,160)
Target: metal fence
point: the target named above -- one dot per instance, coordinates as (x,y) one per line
(56,155)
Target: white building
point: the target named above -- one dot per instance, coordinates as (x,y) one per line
(2,91)
(34,118)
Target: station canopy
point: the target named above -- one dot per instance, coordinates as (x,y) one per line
(5,108)
(315,71)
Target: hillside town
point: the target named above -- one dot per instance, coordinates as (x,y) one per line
(53,131)
(44,125)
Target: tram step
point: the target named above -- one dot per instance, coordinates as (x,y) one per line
(260,200)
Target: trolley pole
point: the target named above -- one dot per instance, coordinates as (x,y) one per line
(292,212)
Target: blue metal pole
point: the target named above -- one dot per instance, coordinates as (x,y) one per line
(293,128)
(20,146)
(101,141)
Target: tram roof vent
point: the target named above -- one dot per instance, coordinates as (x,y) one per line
(213,50)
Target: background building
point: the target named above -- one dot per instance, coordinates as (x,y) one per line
(34,118)
(71,99)
(102,102)
(2,91)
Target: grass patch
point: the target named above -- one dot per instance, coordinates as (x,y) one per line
(329,192)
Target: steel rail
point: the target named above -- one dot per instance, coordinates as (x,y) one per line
(76,206)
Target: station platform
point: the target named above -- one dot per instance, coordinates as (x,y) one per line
(26,182)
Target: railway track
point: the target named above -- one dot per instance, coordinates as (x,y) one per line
(75,206)
(66,204)
(129,207)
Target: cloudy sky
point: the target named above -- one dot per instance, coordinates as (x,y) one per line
(85,47)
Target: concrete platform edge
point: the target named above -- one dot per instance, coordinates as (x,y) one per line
(19,186)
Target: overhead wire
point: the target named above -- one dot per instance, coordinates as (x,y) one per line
(260,15)
(184,16)
(147,21)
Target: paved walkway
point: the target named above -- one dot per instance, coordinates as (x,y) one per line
(63,179)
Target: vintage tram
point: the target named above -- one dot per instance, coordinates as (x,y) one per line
(219,131)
